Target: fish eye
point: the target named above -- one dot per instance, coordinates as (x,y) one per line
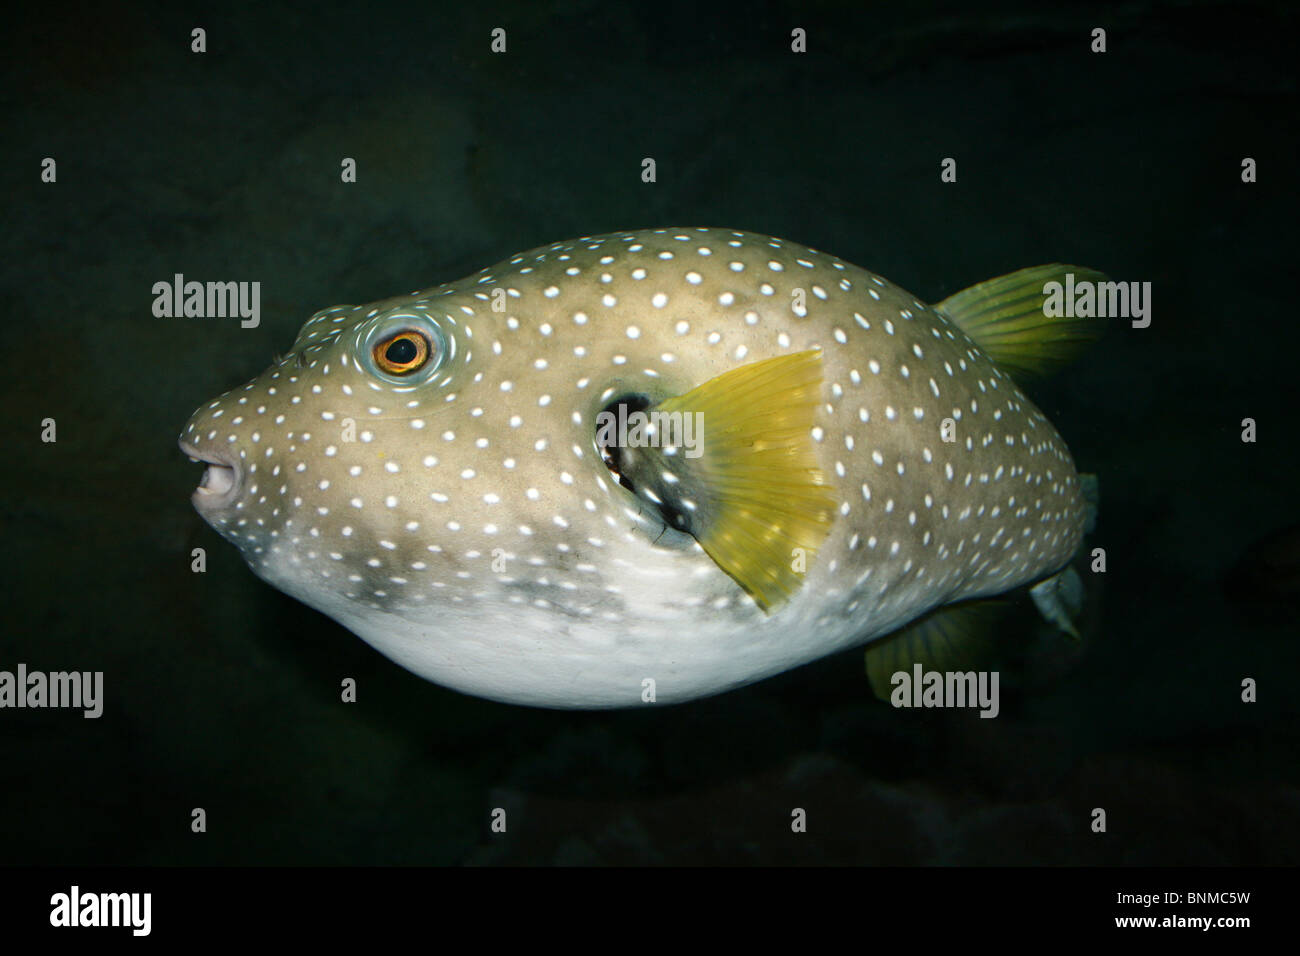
(402,353)
(405,348)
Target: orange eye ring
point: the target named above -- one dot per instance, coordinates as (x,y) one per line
(401,354)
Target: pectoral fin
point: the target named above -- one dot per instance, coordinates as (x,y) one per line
(754,496)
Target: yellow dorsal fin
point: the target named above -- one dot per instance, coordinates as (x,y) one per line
(1007,319)
(769,505)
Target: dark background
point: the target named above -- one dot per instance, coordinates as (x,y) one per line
(224,694)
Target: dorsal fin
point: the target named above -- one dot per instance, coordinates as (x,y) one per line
(1007,318)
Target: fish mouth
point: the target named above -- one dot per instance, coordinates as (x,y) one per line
(221,478)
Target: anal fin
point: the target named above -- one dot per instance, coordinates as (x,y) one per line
(957,637)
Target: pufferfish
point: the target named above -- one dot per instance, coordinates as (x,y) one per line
(652,465)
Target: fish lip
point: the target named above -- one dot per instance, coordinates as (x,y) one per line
(222,479)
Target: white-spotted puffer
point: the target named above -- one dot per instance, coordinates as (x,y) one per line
(428,470)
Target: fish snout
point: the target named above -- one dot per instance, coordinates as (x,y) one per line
(222,478)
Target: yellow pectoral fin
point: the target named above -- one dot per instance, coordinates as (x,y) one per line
(768,507)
